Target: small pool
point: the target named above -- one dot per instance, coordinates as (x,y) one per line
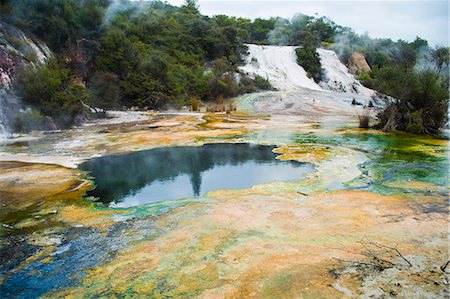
(179,172)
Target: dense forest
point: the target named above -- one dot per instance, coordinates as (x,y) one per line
(150,55)
(413,74)
(112,54)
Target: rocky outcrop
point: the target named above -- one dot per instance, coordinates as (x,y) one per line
(357,64)
(17,51)
(81,57)
(337,76)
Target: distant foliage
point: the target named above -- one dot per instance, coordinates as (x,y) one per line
(364,119)
(147,54)
(58,22)
(164,55)
(104,89)
(262,83)
(413,73)
(248,31)
(26,121)
(309,59)
(258,83)
(154,55)
(195,104)
(303,30)
(49,89)
(422,100)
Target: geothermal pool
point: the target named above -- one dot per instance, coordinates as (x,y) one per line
(180,172)
(288,235)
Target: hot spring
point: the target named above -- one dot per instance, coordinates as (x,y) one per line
(182,172)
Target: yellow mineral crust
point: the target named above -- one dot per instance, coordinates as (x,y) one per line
(42,195)
(273,240)
(244,246)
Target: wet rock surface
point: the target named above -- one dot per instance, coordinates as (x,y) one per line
(277,239)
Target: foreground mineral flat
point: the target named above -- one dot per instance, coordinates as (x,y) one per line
(370,221)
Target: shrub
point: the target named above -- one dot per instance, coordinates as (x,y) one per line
(230,108)
(364,119)
(48,88)
(105,90)
(309,59)
(69,102)
(195,103)
(27,121)
(422,104)
(415,123)
(262,84)
(216,108)
(366,80)
(247,84)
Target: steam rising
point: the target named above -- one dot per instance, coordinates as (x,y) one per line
(282,34)
(9,106)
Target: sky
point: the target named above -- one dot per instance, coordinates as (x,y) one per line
(399,19)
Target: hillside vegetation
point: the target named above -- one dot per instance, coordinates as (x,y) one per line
(154,55)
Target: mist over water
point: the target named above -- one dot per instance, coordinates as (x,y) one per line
(8,107)
(180,172)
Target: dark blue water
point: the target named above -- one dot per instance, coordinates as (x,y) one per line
(179,172)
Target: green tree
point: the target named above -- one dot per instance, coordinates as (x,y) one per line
(422,99)
(49,89)
(105,90)
(441,57)
(58,22)
(309,59)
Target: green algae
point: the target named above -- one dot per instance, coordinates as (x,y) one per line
(159,208)
(229,138)
(398,163)
(404,157)
(393,157)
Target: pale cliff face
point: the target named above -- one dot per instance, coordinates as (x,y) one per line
(18,50)
(358,64)
(7,70)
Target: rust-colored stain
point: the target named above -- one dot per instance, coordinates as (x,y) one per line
(298,239)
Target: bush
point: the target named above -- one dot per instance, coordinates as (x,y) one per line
(309,59)
(230,108)
(195,103)
(262,84)
(48,88)
(24,122)
(38,86)
(415,123)
(247,84)
(422,104)
(216,108)
(105,90)
(70,102)
(366,80)
(364,119)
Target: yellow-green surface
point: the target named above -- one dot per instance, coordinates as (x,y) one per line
(275,240)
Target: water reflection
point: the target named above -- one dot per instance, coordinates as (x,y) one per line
(178,172)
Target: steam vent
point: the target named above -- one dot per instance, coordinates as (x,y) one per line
(231,149)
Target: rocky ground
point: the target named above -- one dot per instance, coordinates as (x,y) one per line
(371,221)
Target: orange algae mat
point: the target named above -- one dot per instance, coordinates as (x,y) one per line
(304,239)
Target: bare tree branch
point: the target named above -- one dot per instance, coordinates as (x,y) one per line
(443,267)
